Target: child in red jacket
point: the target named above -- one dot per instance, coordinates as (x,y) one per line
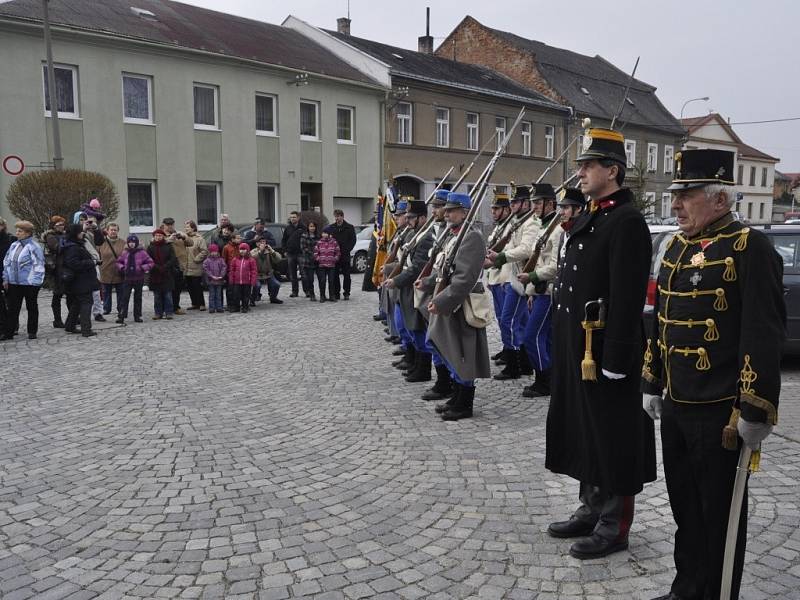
(242,275)
(326,255)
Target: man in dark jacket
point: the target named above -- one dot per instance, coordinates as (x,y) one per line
(345,234)
(597,431)
(83,281)
(291,246)
(6,239)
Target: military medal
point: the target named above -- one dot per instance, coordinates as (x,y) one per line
(698,259)
(696,278)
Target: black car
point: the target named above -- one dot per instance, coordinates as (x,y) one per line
(786,240)
(276,229)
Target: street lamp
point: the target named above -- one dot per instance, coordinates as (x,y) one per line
(704,99)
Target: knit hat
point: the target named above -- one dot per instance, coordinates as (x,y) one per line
(213,248)
(244,246)
(57,219)
(161,231)
(73,231)
(133,238)
(329,229)
(94,203)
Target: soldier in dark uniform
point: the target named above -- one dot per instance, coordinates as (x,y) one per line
(596,430)
(388,297)
(715,348)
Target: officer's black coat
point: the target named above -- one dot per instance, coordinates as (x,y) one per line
(597,431)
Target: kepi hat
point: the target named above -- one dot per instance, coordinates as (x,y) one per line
(571,197)
(542,191)
(696,168)
(603,143)
(458,200)
(500,199)
(417,208)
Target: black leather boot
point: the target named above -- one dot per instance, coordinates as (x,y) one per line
(525,366)
(443,406)
(512,370)
(462,408)
(407,361)
(497,356)
(502,357)
(443,386)
(422,369)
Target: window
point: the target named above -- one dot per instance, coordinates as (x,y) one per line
(652,157)
(265,114)
(207,204)
(763,176)
(749,211)
(752,175)
(404,121)
(344,124)
(473,131)
(309,120)
(788,247)
(549,141)
(443,127)
(666,205)
(66,91)
(650,204)
(141,206)
(740,176)
(630,152)
(500,130)
(137,99)
(267,202)
(669,157)
(205,106)
(525,129)
(761,210)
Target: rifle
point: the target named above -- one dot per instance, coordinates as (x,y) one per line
(437,246)
(500,244)
(477,195)
(498,228)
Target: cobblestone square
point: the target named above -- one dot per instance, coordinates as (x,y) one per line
(276,454)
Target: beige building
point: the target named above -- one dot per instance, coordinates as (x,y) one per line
(190,112)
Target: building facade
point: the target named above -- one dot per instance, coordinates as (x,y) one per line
(592,87)
(190,112)
(754,170)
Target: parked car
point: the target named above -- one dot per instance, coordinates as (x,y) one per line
(785,239)
(358,255)
(276,229)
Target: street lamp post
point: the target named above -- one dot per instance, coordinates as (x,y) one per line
(704,99)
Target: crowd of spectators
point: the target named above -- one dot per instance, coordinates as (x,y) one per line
(90,267)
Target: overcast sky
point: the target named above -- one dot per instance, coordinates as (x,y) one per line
(743,55)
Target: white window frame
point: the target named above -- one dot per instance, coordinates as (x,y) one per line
(267,132)
(549,141)
(652,158)
(630,153)
(143,228)
(442,127)
(473,131)
(669,159)
(666,204)
(315,137)
(764,178)
(650,201)
(203,126)
(525,129)
(352,112)
(75,95)
(149,80)
(218,208)
(500,126)
(405,124)
(275,188)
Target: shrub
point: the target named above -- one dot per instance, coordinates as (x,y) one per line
(38,195)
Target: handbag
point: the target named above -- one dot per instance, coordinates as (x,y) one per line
(478,309)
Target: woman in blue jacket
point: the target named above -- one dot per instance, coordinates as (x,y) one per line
(23,274)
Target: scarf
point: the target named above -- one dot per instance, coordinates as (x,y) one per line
(130,267)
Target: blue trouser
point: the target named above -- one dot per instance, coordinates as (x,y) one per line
(513,318)
(406,339)
(215,297)
(537,332)
(273,287)
(497,299)
(107,289)
(438,360)
(162,302)
(430,348)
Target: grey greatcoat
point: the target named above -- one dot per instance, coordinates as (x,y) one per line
(413,263)
(462,346)
(389,297)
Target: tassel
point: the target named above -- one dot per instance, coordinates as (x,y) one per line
(712,333)
(588,364)
(730,435)
(703,363)
(720,304)
(741,243)
(730,270)
(755,461)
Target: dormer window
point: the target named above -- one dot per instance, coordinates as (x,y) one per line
(585,91)
(143,13)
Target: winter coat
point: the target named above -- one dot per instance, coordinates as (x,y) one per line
(597,431)
(180,245)
(519,248)
(110,251)
(229,252)
(162,275)
(252,237)
(197,254)
(24,263)
(265,261)
(290,242)
(142,264)
(83,266)
(243,270)
(6,239)
(215,269)
(345,235)
(327,253)
(217,238)
(413,263)
(307,244)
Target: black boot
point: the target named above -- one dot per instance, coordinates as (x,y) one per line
(502,356)
(525,366)
(454,395)
(462,408)
(512,370)
(422,368)
(407,362)
(498,355)
(443,386)
(541,386)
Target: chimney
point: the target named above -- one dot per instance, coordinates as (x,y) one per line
(426,41)
(343,25)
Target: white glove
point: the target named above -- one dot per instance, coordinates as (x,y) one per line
(611,375)
(652,405)
(753,433)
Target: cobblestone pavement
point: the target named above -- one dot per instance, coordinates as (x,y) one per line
(275,455)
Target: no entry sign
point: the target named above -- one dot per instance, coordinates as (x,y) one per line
(13,164)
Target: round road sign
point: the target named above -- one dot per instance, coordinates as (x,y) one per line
(13,165)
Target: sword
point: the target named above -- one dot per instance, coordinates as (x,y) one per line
(739,484)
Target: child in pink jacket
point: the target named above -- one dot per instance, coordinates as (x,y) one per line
(242,276)
(326,255)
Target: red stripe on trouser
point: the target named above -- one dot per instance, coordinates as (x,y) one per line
(626,519)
